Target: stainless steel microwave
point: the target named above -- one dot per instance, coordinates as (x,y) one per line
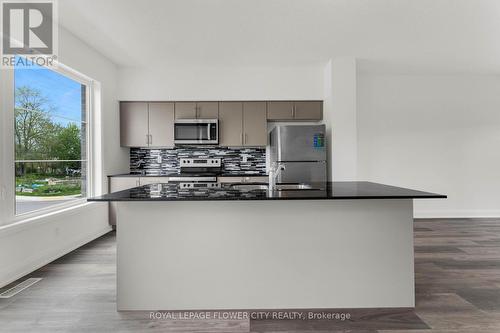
(196,131)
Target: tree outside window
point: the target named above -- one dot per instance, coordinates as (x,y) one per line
(50,144)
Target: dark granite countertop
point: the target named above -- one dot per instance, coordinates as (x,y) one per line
(329,191)
(224,174)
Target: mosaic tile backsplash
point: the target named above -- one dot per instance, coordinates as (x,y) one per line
(158,162)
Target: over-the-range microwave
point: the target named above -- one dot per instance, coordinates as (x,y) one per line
(196,131)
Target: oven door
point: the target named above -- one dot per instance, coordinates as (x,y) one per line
(196,131)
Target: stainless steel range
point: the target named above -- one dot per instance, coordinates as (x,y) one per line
(198,170)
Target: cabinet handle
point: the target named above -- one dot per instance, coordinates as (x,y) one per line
(241,137)
(147,139)
(246,139)
(293,111)
(151,139)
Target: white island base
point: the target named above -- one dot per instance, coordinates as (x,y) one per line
(265,254)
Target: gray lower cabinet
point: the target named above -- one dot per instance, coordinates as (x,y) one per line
(254,124)
(295,110)
(244,179)
(153,180)
(119,184)
(123,183)
(146,124)
(231,124)
(134,124)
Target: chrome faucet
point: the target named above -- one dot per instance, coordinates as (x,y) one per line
(274,173)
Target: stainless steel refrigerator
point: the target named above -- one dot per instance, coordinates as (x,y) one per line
(300,150)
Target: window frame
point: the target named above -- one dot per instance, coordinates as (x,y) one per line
(7,150)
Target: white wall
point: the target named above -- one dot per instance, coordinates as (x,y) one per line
(221,83)
(79,56)
(36,242)
(28,245)
(435,133)
(428,132)
(339,114)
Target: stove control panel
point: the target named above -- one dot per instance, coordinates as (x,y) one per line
(200,162)
(198,185)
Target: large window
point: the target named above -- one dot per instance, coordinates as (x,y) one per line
(50,138)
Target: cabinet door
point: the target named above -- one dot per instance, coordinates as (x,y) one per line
(161,124)
(119,184)
(312,110)
(231,124)
(229,179)
(207,110)
(134,124)
(254,124)
(122,183)
(185,110)
(153,180)
(256,179)
(280,110)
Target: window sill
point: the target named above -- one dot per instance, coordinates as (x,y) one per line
(49,209)
(41,217)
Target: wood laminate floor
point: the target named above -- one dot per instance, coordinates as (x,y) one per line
(457,266)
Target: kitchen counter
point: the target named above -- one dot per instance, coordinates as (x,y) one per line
(347,246)
(228,191)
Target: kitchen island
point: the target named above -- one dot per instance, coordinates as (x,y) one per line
(233,246)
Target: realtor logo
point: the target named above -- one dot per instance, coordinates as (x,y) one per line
(29,31)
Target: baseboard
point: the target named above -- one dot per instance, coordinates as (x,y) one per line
(44,259)
(429,214)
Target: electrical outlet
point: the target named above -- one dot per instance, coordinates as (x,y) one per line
(244,158)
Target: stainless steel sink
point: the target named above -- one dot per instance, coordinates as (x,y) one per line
(278,187)
(249,187)
(299,187)
(286,187)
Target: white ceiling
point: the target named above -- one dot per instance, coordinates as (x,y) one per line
(428,35)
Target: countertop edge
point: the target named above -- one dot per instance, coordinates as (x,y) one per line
(263,199)
(178,175)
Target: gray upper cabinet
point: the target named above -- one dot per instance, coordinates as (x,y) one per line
(241,124)
(194,110)
(146,124)
(161,124)
(279,110)
(254,124)
(308,110)
(207,110)
(298,110)
(185,110)
(231,124)
(134,127)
